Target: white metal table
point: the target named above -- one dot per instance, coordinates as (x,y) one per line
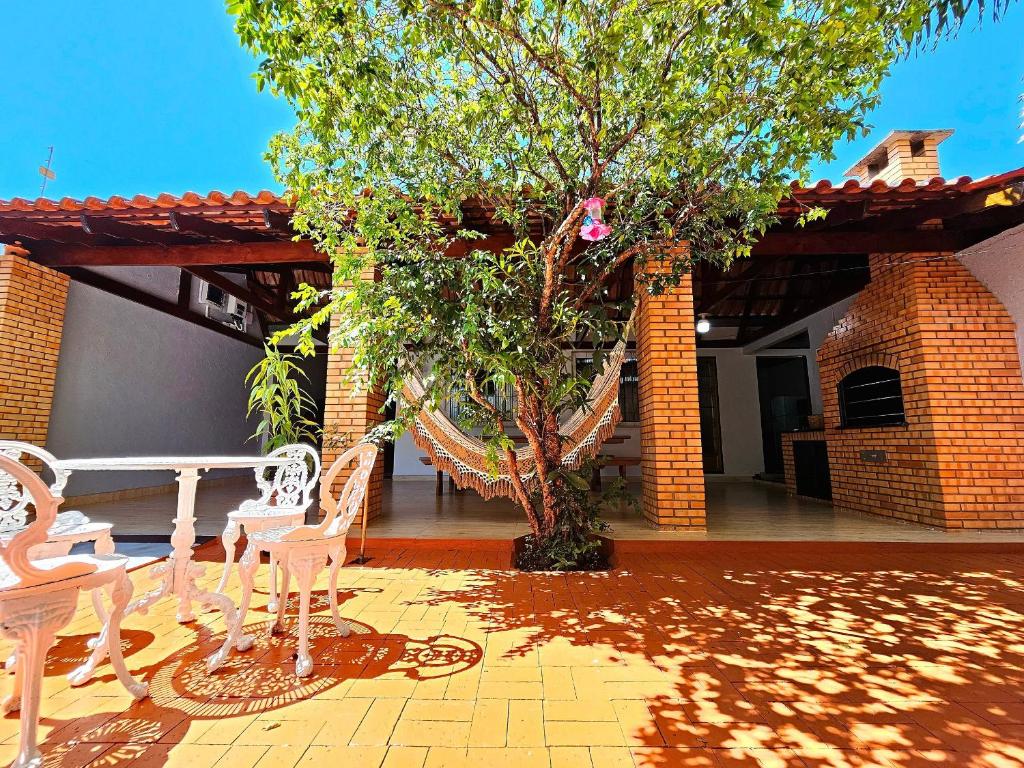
(178,573)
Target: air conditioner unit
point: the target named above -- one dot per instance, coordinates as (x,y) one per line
(213,296)
(221,306)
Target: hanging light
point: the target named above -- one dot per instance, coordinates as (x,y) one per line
(703,324)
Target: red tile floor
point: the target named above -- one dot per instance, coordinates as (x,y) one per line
(686,654)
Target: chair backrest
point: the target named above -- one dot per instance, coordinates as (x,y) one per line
(15,552)
(14,498)
(341,512)
(290,484)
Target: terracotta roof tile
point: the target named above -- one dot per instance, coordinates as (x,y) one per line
(216,198)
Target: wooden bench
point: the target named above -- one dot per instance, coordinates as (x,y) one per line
(611,461)
(439,481)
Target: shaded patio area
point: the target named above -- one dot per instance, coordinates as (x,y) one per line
(737,510)
(688,654)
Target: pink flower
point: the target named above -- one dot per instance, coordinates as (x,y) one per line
(595,231)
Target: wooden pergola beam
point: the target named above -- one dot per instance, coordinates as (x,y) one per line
(105,225)
(845,243)
(202,255)
(199,225)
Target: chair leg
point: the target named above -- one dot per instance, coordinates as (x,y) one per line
(236,619)
(232,532)
(100,647)
(272,601)
(33,623)
(306,568)
(12,702)
(119,597)
(282,605)
(337,560)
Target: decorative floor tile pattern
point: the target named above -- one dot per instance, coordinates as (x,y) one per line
(687,654)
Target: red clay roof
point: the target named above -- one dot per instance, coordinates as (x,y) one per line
(821,190)
(142,202)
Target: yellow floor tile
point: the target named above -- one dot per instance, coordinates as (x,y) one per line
(405,757)
(490,723)
(570,757)
(336,756)
(379,722)
(525,723)
(430,733)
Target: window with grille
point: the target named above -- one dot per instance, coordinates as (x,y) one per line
(871,397)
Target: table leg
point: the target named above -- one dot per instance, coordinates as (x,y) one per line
(182,540)
(439,484)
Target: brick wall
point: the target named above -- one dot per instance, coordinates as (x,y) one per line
(670,452)
(32,300)
(903,164)
(959,460)
(349,415)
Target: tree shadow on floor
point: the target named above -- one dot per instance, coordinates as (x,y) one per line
(780,654)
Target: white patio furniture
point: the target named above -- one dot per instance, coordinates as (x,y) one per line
(177,574)
(304,550)
(68,529)
(286,495)
(39,596)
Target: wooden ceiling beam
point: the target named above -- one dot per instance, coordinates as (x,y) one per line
(15,229)
(200,225)
(847,243)
(139,233)
(208,254)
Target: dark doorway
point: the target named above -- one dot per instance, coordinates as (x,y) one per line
(785,399)
(710,415)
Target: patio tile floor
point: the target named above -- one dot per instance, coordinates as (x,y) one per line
(687,654)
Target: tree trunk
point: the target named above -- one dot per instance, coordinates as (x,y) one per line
(541,431)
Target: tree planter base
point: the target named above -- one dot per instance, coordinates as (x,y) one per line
(603,556)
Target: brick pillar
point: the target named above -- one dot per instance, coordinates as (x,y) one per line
(958,461)
(349,415)
(32,300)
(671,464)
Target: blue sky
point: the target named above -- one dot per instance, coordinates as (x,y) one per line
(150,96)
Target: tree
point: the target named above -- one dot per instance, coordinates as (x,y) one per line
(688,118)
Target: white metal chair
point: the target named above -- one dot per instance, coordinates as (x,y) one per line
(304,551)
(38,597)
(286,496)
(69,528)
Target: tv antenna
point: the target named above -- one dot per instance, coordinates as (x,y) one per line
(46,172)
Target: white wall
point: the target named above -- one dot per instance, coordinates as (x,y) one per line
(999,264)
(740,414)
(131,380)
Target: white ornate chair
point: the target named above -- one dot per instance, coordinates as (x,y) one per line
(286,495)
(38,597)
(68,529)
(304,551)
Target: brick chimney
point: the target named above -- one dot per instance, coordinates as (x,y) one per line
(901,155)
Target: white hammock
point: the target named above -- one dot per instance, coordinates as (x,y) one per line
(464,456)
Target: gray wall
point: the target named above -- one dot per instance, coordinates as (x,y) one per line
(999,264)
(134,381)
